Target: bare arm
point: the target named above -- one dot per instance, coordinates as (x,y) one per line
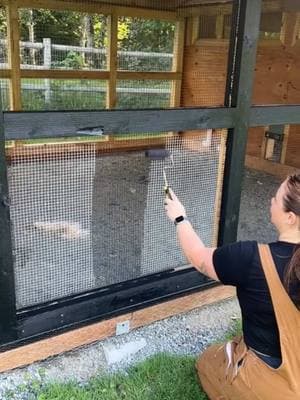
(197,254)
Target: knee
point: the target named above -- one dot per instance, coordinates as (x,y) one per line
(207,359)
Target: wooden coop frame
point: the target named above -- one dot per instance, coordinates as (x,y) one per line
(20,330)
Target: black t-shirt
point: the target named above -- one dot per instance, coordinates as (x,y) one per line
(238,264)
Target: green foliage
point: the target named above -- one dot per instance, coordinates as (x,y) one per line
(62,99)
(62,27)
(3,24)
(100,30)
(63,95)
(4,94)
(71,61)
(147,35)
(65,27)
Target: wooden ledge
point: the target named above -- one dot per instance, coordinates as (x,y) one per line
(55,345)
(269,167)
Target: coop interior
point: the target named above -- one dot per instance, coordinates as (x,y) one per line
(87,211)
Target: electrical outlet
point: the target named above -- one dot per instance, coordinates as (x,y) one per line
(122,327)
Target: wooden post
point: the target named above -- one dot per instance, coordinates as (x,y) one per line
(239,89)
(14,60)
(220,178)
(220,26)
(192,30)
(285,143)
(112,60)
(264,143)
(290,28)
(47,65)
(178,52)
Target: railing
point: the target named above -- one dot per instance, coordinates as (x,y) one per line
(47,55)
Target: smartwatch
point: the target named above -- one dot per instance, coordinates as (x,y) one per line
(179,219)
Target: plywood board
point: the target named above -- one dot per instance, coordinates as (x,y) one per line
(255,141)
(292,156)
(277,81)
(279,170)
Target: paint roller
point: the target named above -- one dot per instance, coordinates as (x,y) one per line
(162,155)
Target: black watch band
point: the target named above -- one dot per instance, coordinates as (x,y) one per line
(179,219)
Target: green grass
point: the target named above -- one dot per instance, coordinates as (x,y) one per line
(161,377)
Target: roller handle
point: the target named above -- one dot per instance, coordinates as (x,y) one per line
(167,192)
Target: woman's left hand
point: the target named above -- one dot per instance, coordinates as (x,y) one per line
(173,207)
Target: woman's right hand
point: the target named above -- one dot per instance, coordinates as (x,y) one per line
(173,206)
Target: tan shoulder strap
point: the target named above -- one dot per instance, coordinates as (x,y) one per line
(285,310)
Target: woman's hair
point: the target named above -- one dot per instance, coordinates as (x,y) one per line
(291,202)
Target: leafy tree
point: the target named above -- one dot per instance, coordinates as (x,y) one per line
(62,27)
(147,35)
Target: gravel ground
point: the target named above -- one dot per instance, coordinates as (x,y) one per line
(188,333)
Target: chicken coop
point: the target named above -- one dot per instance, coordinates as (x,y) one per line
(100,99)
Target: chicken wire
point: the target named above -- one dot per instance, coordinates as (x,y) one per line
(81,222)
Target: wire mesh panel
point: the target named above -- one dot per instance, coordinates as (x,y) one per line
(81,222)
(51,208)
(194,168)
(63,94)
(278,56)
(4,89)
(90,215)
(145,45)
(3,39)
(62,39)
(206,53)
(143,94)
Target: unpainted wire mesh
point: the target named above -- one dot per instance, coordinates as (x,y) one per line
(194,169)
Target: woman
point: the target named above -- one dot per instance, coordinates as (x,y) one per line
(265,362)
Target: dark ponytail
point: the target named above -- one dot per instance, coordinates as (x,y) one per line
(292,274)
(291,203)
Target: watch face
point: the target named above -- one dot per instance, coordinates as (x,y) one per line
(179,219)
